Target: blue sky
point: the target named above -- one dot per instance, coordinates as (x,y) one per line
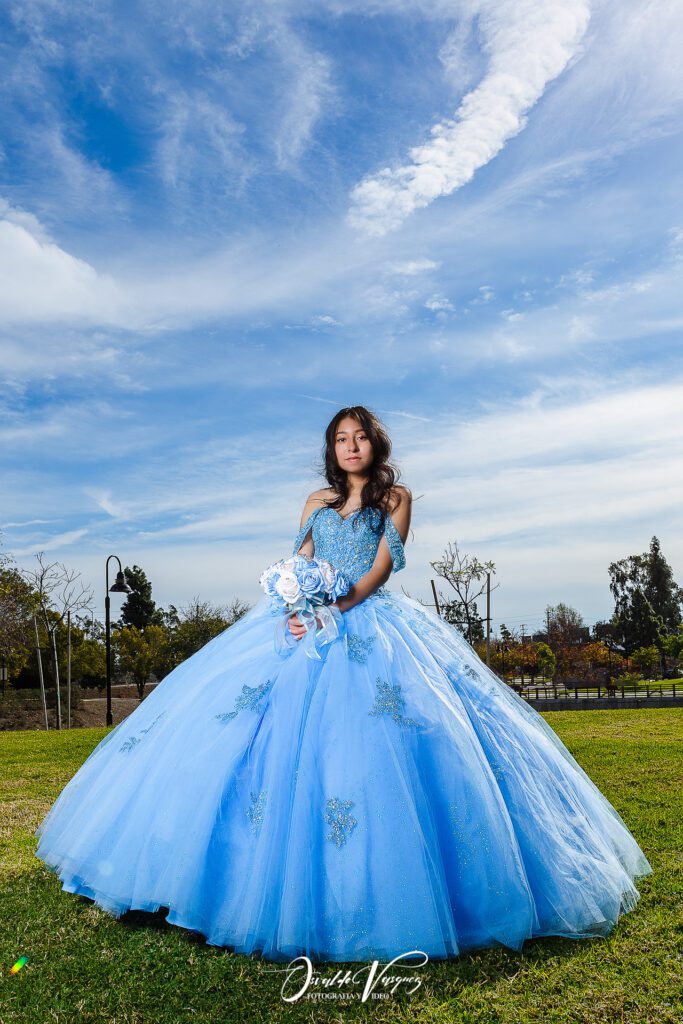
(220,223)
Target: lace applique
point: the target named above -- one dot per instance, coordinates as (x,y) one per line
(338,817)
(455,668)
(132,741)
(129,744)
(421,622)
(250,698)
(390,702)
(256,809)
(358,648)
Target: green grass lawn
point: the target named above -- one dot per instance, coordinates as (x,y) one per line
(85,966)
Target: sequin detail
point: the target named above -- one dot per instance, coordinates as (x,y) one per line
(132,741)
(351,544)
(256,809)
(249,698)
(389,701)
(358,648)
(338,817)
(474,840)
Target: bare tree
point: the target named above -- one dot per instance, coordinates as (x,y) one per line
(463,573)
(58,592)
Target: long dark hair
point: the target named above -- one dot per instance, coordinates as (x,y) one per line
(382,473)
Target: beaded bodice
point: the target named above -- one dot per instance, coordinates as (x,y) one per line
(350,543)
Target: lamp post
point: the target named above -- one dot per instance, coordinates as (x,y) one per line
(120,587)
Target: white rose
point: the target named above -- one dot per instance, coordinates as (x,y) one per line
(288,587)
(329,574)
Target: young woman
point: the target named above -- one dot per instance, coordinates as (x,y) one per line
(393,795)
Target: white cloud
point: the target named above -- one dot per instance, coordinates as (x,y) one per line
(104,500)
(197,131)
(438,303)
(308,96)
(410,268)
(576,462)
(324,320)
(39,280)
(54,543)
(529,43)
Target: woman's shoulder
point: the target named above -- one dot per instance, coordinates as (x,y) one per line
(321,497)
(400,497)
(316,500)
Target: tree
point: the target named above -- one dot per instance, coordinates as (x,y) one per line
(198,623)
(139,609)
(647,600)
(141,652)
(456,613)
(661,589)
(591,661)
(54,584)
(674,644)
(645,659)
(546,662)
(463,573)
(507,635)
(17,604)
(565,626)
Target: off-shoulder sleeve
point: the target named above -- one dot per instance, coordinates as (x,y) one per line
(303,531)
(393,539)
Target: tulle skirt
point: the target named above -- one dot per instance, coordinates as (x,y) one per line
(392,796)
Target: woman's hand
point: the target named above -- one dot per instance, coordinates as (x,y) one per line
(296,628)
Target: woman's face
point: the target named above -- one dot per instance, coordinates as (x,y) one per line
(352,446)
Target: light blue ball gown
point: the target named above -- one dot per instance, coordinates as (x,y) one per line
(393,795)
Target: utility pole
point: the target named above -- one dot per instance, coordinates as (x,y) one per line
(488,619)
(68,669)
(436,600)
(40,673)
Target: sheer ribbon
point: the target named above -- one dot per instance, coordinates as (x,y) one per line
(317,636)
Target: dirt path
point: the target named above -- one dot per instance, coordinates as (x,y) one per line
(94,710)
(91,713)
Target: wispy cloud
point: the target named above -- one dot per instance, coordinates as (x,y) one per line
(528,44)
(55,542)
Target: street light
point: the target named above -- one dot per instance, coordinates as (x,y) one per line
(120,587)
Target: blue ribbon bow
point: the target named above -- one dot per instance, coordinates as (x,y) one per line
(331,627)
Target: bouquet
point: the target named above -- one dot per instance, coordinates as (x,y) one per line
(308,587)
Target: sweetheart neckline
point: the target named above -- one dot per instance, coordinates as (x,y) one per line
(343,518)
